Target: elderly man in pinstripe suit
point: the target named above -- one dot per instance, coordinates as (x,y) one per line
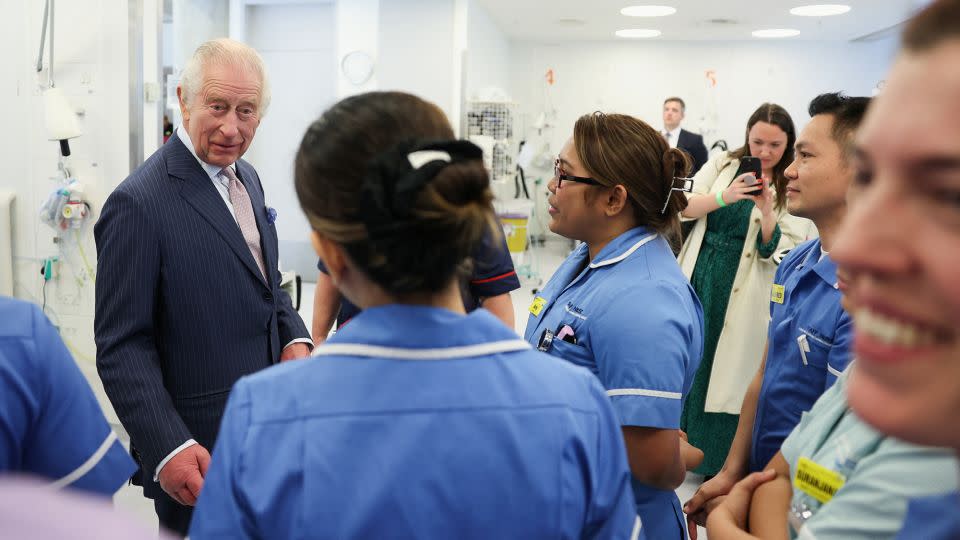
(188,298)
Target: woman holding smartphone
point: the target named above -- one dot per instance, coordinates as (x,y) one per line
(742,223)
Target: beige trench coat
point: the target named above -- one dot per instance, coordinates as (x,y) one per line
(744,333)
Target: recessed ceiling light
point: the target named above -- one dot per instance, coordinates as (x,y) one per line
(648,11)
(775,33)
(637,33)
(820,10)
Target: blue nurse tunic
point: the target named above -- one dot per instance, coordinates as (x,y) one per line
(631,318)
(808,343)
(50,422)
(416,422)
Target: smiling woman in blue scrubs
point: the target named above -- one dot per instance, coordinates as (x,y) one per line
(415,420)
(901,246)
(619,305)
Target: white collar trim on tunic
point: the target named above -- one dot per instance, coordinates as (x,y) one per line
(441,353)
(626,253)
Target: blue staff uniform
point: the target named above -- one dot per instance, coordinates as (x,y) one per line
(808,343)
(493,275)
(416,422)
(632,318)
(50,422)
(932,518)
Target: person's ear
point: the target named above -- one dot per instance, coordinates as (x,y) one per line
(184,111)
(616,200)
(332,255)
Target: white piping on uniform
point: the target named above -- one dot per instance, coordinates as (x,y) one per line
(626,253)
(442,353)
(643,392)
(833,370)
(636,529)
(88,465)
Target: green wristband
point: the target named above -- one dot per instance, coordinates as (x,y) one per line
(720,200)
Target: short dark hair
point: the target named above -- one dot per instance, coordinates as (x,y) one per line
(683,106)
(936,23)
(847,114)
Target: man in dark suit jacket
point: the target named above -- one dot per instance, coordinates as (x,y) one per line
(673,112)
(187,295)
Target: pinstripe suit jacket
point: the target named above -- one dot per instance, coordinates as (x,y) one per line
(182,310)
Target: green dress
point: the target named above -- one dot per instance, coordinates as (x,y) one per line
(712,279)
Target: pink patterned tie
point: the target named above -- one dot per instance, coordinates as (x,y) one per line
(244,212)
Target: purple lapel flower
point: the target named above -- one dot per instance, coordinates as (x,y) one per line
(271,215)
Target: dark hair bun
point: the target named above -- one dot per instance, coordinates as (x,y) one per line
(447,219)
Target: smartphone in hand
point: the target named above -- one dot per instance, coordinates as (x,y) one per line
(751,164)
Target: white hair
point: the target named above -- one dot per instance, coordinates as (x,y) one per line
(224,52)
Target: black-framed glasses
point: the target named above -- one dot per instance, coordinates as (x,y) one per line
(560,175)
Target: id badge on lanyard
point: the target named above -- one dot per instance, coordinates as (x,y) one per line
(816,481)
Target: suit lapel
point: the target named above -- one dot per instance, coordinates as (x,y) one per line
(198,191)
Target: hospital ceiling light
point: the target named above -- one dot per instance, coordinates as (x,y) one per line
(637,33)
(820,10)
(648,11)
(775,33)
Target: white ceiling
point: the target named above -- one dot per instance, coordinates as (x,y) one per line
(553,21)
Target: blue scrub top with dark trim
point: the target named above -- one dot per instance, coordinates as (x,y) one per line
(631,318)
(50,422)
(932,518)
(416,422)
(493,274)
(808,342)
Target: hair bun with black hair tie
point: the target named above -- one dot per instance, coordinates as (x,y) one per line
(395,178)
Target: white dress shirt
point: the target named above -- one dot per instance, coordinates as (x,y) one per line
(672,136)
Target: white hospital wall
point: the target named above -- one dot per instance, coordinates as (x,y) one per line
(417,50)
(635,77)
(298,46)
(92,66)
(488,52)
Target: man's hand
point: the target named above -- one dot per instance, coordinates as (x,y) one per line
(294,351)
(703,501)
(736,507)
(182,476)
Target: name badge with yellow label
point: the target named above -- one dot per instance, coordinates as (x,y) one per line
(537,306)
(816,480)
(777,294)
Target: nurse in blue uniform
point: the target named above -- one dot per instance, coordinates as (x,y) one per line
(50,422)
(900,244)
(619,305)
(415,420)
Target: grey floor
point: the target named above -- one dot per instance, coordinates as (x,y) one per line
(534,270)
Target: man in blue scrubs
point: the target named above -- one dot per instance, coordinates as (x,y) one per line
(50,422)
(809,334)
